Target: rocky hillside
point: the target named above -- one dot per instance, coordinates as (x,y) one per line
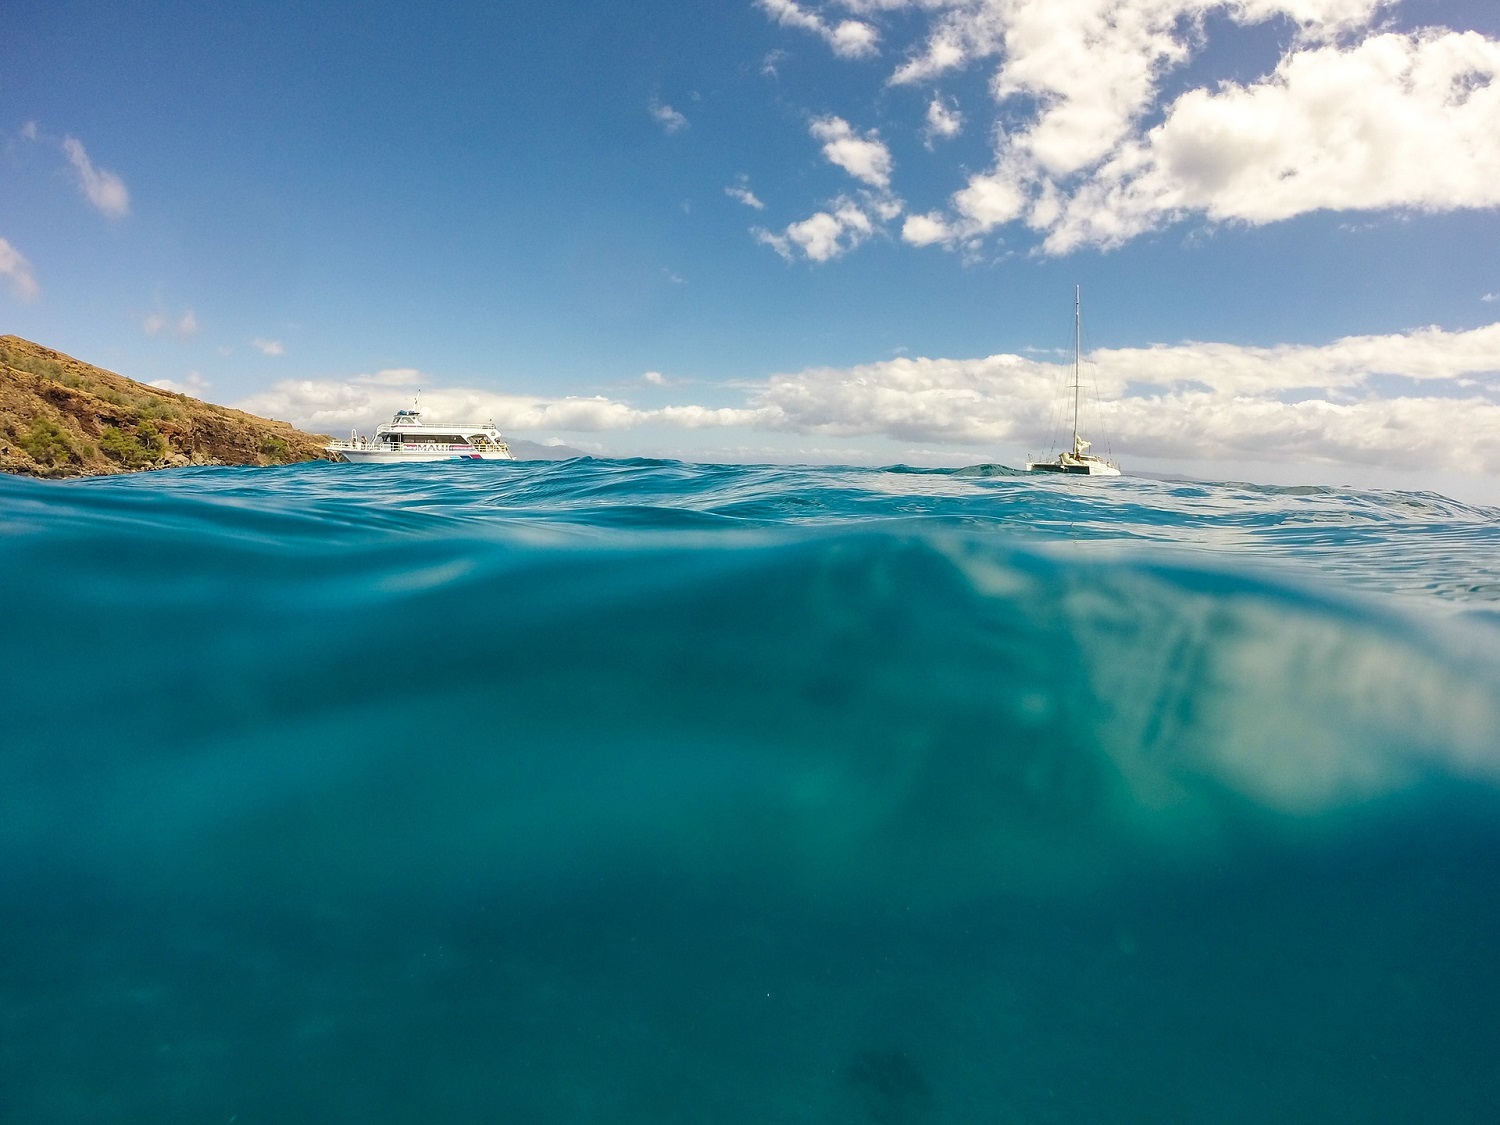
(62,418)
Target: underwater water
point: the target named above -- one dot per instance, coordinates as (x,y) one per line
(634,791)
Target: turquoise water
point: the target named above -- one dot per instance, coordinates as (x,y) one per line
(634,791)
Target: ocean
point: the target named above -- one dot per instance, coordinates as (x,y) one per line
(641,791)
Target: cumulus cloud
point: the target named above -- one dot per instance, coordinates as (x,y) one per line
(1199,401)
(15,267)
(268,347)
(1195,401)
(847,221)
(102,188)
(865,157)
(1397,121)
(926,230)
(850,39)
(824,235)
(1429,355)
(667,117)
(1088,152)
(192,384)
(943,122)
(364,401)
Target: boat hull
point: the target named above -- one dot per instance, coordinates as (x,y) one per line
(1091,469)
(368,456)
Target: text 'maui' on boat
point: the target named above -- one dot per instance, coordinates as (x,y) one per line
(1077,459)
(407,438)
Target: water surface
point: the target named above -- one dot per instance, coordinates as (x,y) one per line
(637,791)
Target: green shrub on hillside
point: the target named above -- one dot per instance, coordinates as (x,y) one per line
(46,368)
(117,445)
(47,443)
(136,450)
(273,447)
(142,405)
(150,440)
(152,407)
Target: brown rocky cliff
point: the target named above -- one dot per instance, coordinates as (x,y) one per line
(60,417)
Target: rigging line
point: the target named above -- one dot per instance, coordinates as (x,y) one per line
(1098,403)
(1099,414)
(1057,399)
(1057,410)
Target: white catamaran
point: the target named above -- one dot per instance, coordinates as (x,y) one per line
(407,438)
(1076,460)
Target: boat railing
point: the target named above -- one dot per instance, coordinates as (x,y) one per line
(419,446)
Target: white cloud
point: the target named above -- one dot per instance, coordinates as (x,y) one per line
(105,190)
(1397,121)
(1347,365)
(1087,152)
(850,39)
(268,347)
(823,236)
(741,192)
(1189,401)
(989,201)
(654,378)
(667,117)
(847,222)
(866,157)
(325,405)
(13,265)
(1491,297)
(943,122)
(394,377)
(926,230)
(192,384)
(1194,401)
(184,327)
(30,131)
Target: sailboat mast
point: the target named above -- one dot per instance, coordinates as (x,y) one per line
(1077,345)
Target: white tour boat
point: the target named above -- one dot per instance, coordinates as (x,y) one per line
(1076,460)
(407,438)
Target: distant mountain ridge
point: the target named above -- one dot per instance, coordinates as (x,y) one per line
(61,417)
(536,451)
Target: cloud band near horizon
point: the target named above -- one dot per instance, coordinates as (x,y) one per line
(1427,399)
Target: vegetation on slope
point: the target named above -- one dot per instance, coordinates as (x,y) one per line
(60,417)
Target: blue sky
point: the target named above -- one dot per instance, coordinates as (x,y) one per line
(1283,215)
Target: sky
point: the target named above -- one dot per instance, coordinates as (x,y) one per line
(847,231)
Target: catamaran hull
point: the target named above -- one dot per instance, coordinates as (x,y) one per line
(1074,470)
